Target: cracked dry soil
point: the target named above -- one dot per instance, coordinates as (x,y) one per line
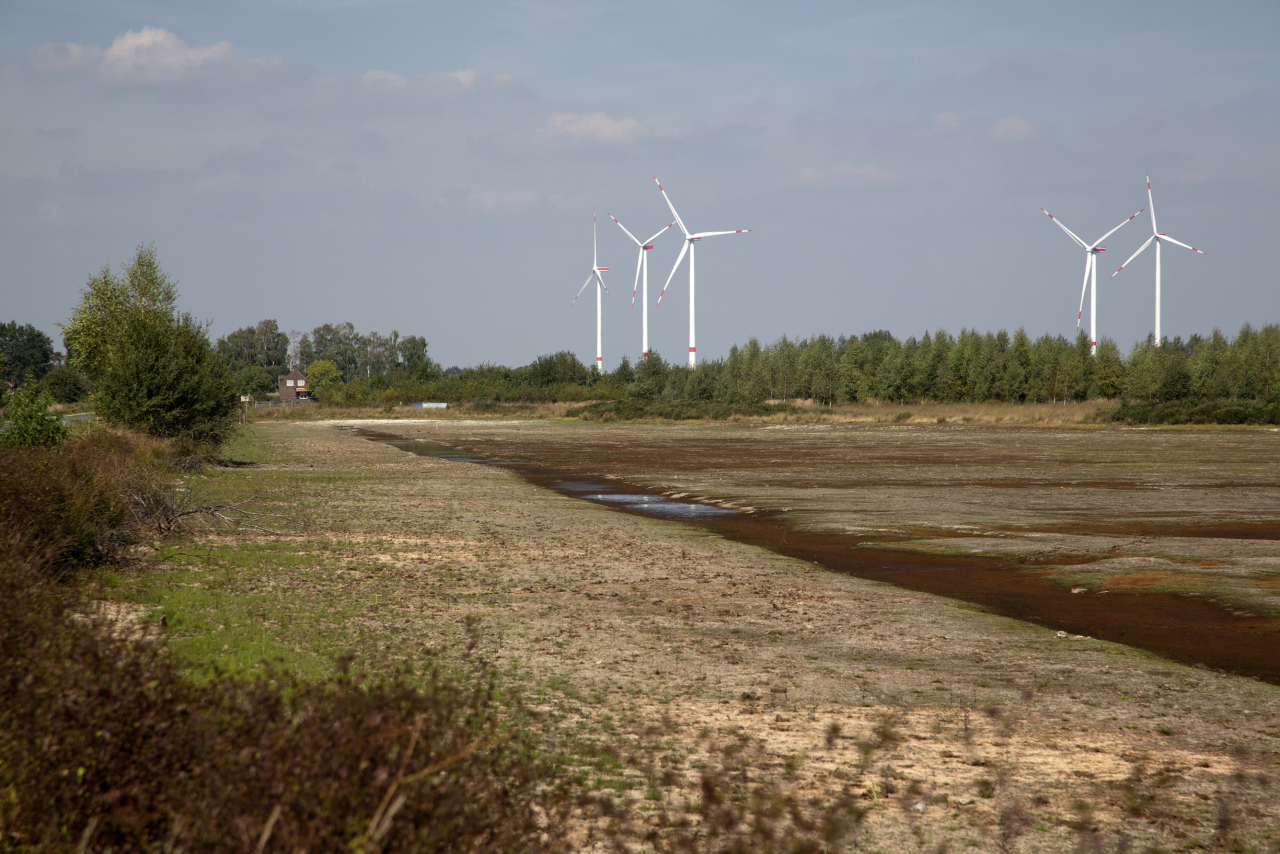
(634,634)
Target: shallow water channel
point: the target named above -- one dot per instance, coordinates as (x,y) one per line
(1190,630)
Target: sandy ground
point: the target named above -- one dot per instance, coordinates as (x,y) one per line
(651,640)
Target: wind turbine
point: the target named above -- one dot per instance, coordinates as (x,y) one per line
(642,264)
(689,240)
(596,270)
(1158,238)
(1090,272)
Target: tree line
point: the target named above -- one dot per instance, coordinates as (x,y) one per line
(349,369)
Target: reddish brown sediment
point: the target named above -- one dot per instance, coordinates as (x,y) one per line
(809,484)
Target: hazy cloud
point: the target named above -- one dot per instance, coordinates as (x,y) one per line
(1013,129)
(59,58)
(596,127)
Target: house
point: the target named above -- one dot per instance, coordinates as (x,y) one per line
(293,387)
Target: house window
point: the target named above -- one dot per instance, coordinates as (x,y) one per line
(302,383)
(289,383)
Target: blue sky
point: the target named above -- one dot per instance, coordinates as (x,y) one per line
(432,167)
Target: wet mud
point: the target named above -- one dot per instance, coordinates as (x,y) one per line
(1191,630)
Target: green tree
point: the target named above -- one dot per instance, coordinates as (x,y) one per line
(323,375)
(26,353)
(1108,369)
(142,289)
(253,380)
(153,368)
(651,378)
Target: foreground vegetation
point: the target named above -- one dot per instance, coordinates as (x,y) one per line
(104,740)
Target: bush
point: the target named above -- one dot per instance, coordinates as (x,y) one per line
(28,421)
(161,376)
(65,384)
(85,502)
(1195,412)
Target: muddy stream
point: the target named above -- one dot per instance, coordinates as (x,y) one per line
(1193,631)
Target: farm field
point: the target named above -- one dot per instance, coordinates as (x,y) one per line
(646,644)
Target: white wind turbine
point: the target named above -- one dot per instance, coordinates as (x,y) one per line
(642,265)
(1090,272)
(689,240)
(1158,238)
(596,270)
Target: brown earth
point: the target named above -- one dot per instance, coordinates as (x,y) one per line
(650,640)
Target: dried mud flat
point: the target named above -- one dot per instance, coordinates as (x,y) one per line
(649,641)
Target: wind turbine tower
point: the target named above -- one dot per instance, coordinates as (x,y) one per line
(1092,250)
(689,241)
(642,266)
(1158,238)
(596,270)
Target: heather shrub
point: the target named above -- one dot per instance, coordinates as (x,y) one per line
(88,500)
(104,743)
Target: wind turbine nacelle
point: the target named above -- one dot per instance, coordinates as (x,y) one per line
(648,246)
(695,239)
(602,269)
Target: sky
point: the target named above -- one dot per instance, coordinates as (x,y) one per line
(432,168)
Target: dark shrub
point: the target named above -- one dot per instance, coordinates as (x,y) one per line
(161,376)
(103,742)
(65,384)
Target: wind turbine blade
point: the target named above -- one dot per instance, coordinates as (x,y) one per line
(1088,259)
(1083,245)
(1131,257)
(624,229)
(659,234)
(1152,205)
(602,284)
(595,260)
(639,264)
(584,287)
(673,207)
(687,244)
(1167,239)
(702,234)
(1098,242)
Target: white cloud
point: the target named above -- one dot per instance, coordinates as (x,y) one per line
(1013,129)
(156,55)
(596,127)
(843,174)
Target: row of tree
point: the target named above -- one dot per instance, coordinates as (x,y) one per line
(257,355)
(971,367)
